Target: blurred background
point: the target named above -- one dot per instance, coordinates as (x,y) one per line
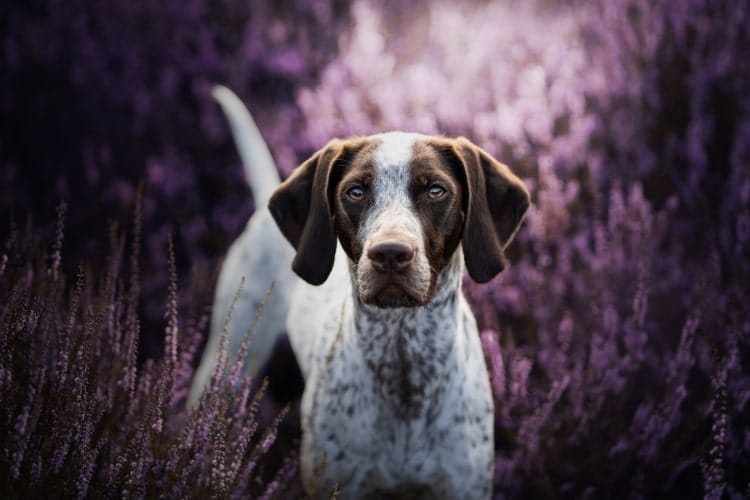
(617,339)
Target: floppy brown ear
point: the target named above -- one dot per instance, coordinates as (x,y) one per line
(302,210)
(497,201)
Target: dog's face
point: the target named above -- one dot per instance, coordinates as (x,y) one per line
(400,204)
(398,212)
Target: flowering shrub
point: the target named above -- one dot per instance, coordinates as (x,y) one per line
(81,418)
(99,96)
(617,339)
(623,314)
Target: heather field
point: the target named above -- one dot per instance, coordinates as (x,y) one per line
(618,339)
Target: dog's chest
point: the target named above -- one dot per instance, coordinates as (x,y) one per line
(393,401)
(407,355)
(380,424)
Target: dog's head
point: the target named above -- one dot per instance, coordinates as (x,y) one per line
(400,204)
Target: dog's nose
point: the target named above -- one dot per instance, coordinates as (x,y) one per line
(391,255)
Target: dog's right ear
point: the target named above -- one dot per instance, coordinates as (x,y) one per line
(301,207)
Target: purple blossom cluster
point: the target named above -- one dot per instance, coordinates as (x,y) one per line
(610,337)
(96,97)
(81,418)
(617,340)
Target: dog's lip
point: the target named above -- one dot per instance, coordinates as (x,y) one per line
(394,293)
(392,288)
(393,284)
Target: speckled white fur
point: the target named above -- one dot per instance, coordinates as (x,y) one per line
(396,399)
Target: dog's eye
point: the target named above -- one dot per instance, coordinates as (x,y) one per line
(356,193)
(436,191)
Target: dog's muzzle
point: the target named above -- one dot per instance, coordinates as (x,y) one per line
(391,280)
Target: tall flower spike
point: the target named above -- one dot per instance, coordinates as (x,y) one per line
(171,312)
(57,245)
(134,291)
(242,352)
(712,467)
(265,443)
(65,338)
(248,427)
(221,357)
(283,477)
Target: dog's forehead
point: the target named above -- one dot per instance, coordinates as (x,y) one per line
(397,156)
(395,150)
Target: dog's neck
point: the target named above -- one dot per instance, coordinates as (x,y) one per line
(409,350)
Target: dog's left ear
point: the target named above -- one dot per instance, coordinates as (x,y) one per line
(496,203)
(302,210)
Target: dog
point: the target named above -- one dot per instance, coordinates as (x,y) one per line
(378,229)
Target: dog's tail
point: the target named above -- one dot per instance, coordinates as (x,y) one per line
(260,256)
(260,170)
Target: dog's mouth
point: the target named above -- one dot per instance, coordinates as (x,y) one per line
(393,293)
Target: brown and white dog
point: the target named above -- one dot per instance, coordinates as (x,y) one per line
(397,397)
